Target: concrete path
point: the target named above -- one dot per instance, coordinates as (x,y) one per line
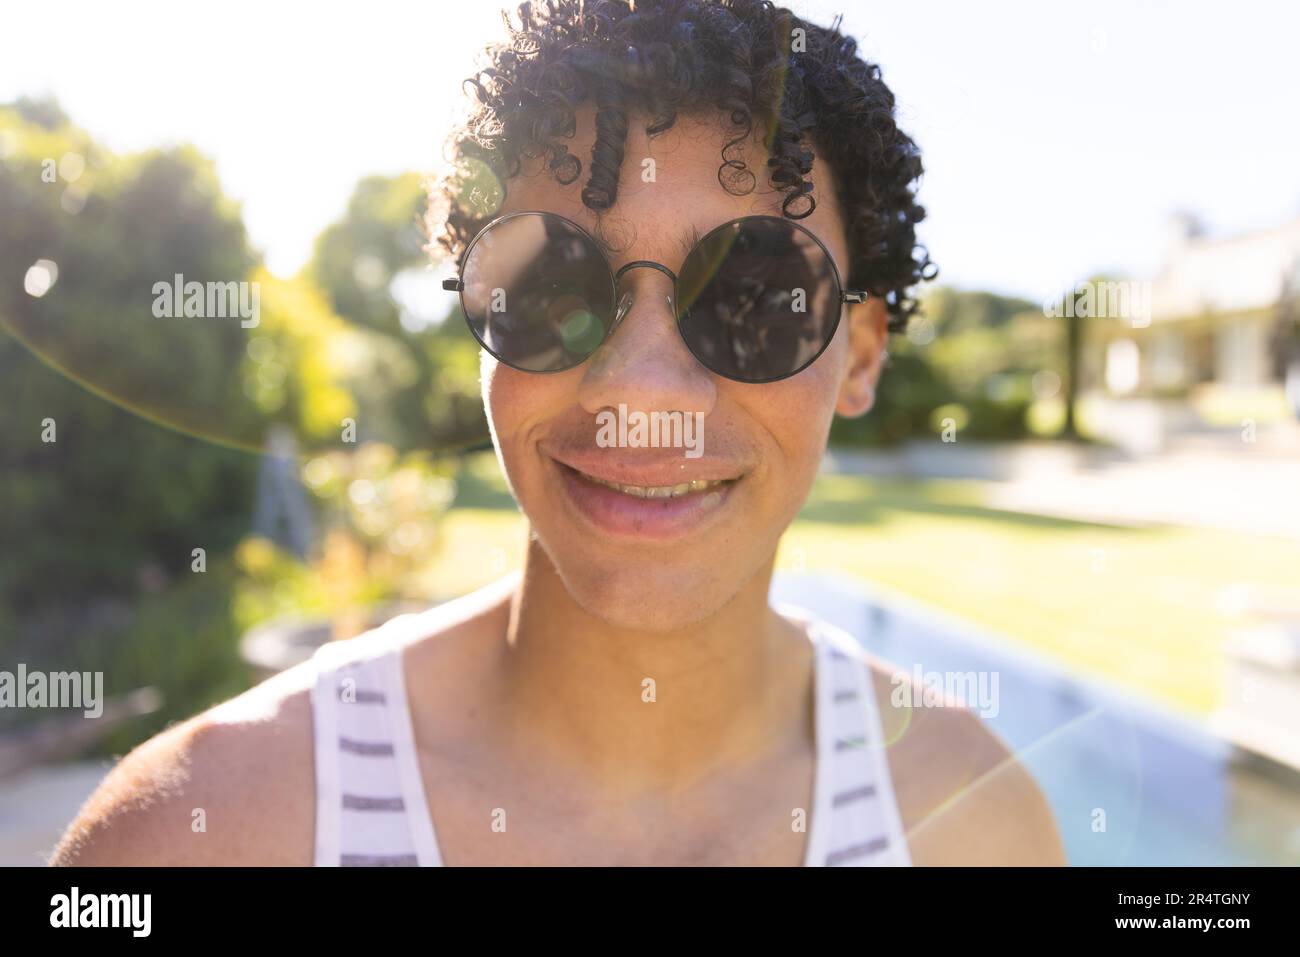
(37,805)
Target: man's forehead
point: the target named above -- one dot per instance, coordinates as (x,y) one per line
(665,214)
(668,222)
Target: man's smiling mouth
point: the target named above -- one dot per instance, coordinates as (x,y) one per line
(654,491)
(646,497)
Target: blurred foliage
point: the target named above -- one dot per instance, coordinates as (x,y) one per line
(380,510)
(159,422)
(356,259)
(114,494)
(426,396)
(177,635)
(300,358)
(980,359)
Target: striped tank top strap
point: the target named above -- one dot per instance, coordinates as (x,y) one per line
(865,825)
(370,804)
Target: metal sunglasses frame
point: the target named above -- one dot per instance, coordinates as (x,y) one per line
(842,295)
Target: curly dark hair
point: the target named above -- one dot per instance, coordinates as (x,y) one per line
(807,91)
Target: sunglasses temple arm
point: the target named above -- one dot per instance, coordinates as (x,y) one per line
(453,285)
(856,296)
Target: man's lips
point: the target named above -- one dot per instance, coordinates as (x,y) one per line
(619,467)
(646,498)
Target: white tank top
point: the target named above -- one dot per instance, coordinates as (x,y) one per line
(371,808)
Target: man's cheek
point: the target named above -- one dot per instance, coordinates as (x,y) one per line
(506,408)
(801,413)
(506,400)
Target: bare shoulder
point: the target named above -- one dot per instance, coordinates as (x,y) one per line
(234,785)
(964,797)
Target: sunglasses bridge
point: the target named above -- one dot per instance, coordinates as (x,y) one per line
(625,301)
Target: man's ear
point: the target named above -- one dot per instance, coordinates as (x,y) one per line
(868,331)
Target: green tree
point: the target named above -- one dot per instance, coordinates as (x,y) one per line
(147,413)
(428,397)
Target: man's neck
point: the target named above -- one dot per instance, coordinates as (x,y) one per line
(641,711)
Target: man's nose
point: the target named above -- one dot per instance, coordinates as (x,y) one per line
(645,364)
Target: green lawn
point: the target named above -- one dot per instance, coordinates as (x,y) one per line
(1137,606)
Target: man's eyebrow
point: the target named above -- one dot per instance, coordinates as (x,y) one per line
(689,241)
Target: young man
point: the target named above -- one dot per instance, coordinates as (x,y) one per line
(734,257)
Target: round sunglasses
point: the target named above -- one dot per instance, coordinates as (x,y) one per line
(758,299)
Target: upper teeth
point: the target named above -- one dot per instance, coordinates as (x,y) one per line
(655,491)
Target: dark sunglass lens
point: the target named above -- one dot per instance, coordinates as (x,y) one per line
(538,294)
(758,299)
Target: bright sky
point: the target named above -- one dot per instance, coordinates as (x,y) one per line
(1058,136)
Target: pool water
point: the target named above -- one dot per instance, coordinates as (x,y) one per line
(1128,782)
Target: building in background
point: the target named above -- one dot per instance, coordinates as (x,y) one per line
(1220,347)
